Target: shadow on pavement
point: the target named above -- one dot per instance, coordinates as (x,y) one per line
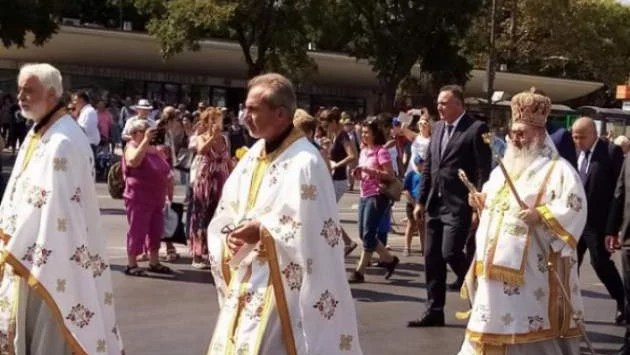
(362,295)
(585,351)
(611,323)
(597,337)
(593,294)
(179,275)
(113,212)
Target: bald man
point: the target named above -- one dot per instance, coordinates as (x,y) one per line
(599,165)
(624,143)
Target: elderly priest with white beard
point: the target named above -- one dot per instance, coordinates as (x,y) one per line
(523,284)
(56,293)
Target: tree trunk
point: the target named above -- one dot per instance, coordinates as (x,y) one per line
(387,98)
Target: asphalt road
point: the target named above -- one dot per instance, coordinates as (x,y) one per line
(176,315)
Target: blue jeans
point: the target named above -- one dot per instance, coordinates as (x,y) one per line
(385,225)
(371,212)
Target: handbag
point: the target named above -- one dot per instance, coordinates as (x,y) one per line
(392,189)
(184,159)
(170,222)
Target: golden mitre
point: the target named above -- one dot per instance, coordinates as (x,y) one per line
(530,107)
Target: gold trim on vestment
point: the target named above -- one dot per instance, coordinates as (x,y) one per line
(555,226)
(264,318)
(505,274)
(38,287)
(278,290)
(11,334)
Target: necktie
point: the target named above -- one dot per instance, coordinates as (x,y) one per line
(447,137)
(583,169)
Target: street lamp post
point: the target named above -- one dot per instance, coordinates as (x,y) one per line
(490,70)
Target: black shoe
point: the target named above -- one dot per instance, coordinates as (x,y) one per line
(430,319)
(356,278)
(391,267)
(625,350)
(620,318)
(455,286)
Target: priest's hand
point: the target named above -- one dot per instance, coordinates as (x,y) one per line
(248,233)
(529,216)
(477,200)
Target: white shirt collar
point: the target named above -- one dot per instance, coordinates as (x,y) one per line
(592,147)
(456,122)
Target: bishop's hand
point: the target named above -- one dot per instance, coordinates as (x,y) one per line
(529,216)
(477,200)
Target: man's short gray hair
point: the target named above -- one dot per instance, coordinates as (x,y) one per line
(279,91)
(49,76)
(138,125)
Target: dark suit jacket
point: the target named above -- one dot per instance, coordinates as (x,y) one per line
(563,141)
(619,216)
(465,150)
(606,162)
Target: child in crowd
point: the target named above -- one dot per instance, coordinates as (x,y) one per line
(413,180)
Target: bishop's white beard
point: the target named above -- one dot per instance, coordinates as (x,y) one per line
(517,160)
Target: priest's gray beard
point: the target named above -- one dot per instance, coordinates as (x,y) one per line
(516,159)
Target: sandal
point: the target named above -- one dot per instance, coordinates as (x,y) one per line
(160,269)
(200,265)
(356,278)
(135,271)
(349,249)
(171,255)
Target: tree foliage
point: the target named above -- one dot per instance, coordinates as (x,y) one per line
(581,39)
(18,18)
(394,35)
(273,34)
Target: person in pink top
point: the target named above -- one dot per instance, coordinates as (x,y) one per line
(147,183)
(375,166)
(105,122)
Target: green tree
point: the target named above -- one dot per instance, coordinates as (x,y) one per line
(18,18)
(273,34)
(580,39)
(395,35)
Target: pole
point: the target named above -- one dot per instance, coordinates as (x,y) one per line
(120,14)
(490,69)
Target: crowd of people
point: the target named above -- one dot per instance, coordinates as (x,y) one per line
(263,186)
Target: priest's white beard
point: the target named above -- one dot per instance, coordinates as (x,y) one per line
(34,112)
(516,159)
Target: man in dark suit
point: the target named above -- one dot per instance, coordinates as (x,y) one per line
(619,228)
(561,138)
(599,164)
(456,143)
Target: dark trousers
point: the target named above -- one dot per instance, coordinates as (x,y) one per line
(446,236)
(603,266)
(625,268)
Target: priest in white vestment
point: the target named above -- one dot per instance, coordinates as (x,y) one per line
(55,288)
(517,304)
(275,242)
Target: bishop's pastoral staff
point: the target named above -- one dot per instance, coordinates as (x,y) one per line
(519,304)
(55,286)
(275,242)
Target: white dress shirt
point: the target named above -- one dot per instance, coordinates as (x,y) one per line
(582,155)
(88,121)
